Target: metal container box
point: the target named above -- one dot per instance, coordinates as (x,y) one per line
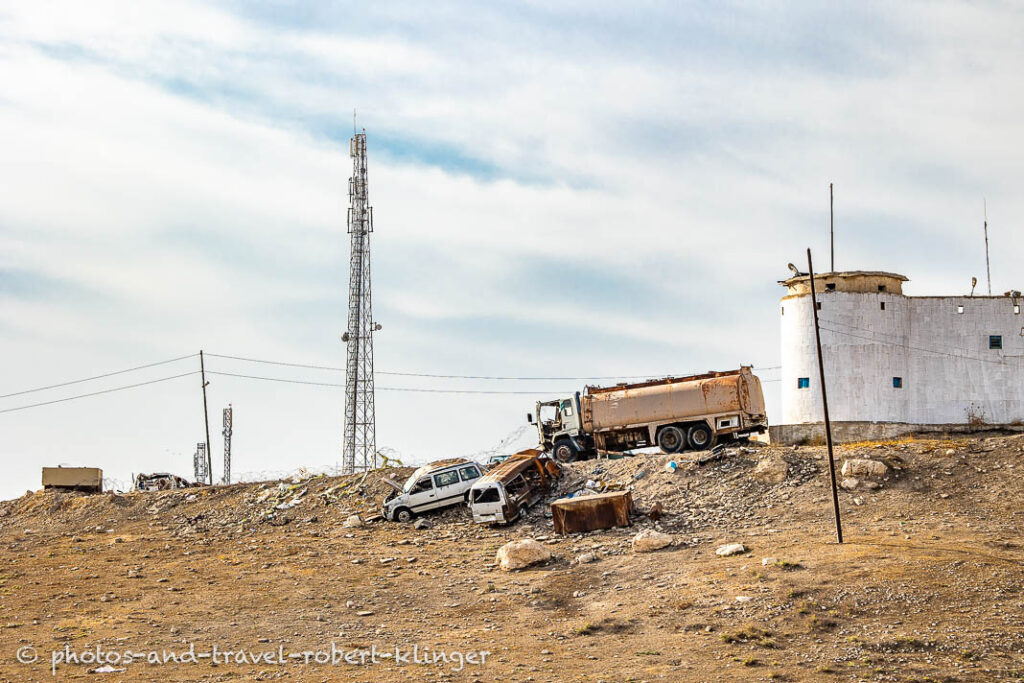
(587,513)
(73,478)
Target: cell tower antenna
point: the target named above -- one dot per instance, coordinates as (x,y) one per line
(359,451)
(988,271)
(227,444)
(201,465)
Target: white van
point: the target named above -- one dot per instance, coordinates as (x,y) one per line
(511,487)
(433,486)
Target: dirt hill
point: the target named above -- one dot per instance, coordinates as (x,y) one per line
(927,587)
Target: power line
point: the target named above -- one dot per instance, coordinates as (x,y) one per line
(292,381)
(915,348)
(97,393)
(409,389)
(441,376)
(108,374)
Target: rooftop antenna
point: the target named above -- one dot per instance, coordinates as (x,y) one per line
(353,120)
(988,272)
(832,226)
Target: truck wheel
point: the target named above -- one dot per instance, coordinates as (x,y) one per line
(404,515)
(564,451)
(700,437)
(671,439)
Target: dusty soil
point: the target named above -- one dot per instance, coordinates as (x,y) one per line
(929,585)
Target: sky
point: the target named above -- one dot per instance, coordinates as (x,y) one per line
(570,189)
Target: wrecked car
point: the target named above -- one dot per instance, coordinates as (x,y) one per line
(431,487)
(161,481)
(509,488)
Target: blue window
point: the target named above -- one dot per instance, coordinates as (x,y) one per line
(995,341)
(897,382)
(803,382)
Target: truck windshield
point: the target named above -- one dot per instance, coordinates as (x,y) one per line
(548,413)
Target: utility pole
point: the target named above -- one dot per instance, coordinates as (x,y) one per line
(832,226)
(227,444)
(359,450)
(987,270)
(206,418)
(824,402)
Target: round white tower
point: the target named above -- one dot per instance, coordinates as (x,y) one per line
(866,378)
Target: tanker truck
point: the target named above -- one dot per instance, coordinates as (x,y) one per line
(674,413)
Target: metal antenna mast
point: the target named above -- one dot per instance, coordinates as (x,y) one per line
(360,447)
(988,270)
(227,444)
(832,226)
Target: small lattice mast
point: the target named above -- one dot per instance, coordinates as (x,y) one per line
(200,464)
(227,443)
(359,448)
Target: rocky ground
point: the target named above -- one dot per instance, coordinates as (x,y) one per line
(927,587)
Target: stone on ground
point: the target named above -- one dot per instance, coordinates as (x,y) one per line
(864,468)
(730,549)
(771,469)
(522,553)
(650,540)
(353,522)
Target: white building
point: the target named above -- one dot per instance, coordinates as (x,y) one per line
(896,364)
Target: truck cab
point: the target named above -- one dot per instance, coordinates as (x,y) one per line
(560,428)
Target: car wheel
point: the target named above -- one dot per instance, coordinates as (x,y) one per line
(671,439)
(700,437)
(404,515)
(565,452)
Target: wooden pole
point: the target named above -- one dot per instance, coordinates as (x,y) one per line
(206,418)
(824,402)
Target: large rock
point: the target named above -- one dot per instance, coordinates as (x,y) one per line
(865,469)
(771,469)
(649,540)
(522,553)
